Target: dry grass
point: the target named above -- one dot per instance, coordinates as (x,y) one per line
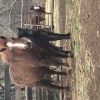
(83,71)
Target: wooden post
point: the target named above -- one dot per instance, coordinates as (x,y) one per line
(7,83)
(49,12)
(56,16)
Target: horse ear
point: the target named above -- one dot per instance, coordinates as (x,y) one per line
(19,29)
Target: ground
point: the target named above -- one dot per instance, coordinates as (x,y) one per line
(90,20)
(81,18)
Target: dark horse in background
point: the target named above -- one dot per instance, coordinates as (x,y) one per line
(42,38)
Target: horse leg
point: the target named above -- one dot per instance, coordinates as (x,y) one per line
(48,84)
(59,53)
(55,36)
(47,70)
(56,51)
(57,63)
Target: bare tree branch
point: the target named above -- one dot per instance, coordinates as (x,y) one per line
(8,8)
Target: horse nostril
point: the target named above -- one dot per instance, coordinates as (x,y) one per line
(28,45)
(2,49)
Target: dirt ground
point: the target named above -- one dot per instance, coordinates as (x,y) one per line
(90,20)
(82,19)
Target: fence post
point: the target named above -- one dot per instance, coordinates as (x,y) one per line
(7,83)
(49,12)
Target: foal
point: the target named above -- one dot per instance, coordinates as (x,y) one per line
(27,66)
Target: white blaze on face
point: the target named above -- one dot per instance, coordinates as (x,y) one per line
(18,45)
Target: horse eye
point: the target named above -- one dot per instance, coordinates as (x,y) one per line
(2,37)
(2,49)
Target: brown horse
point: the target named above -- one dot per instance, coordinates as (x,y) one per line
(27,66)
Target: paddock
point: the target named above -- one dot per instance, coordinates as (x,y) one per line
(26,18)
(82,19)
